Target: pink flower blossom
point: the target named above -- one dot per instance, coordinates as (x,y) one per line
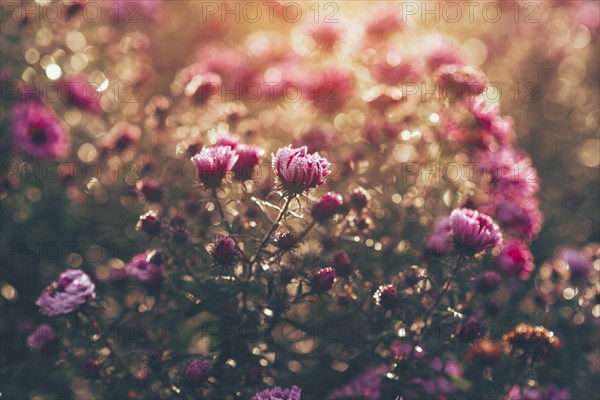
(327,206)
(248,157)
(41,337)
(143,269)
(37,131)
(460,82)
(213,163)
(80,93)
(516,259)
(317,138)
(297,171)
(519,215)
(331,90)
(73,288)
(406,69)
(473,232)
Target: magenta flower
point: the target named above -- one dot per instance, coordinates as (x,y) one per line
(524,393)
(323,280)
(81,94)
(149,223)
(278,393)
(386,296)
(297,171)
(472,231)
(515,259)
(579,263)
(202,86)
(41,337)
(521,215)
(248,157)
(327,206)
(151,189)
(440,239)
(331,90)
(73,288)
(408,69)
(342,263)
(213,163)
(37,131)
(460,82)
(196,372)
(143,269)
(223,251)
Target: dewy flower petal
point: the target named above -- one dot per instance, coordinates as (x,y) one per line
(213,163)
(297,171)
(472,231)
(73,289)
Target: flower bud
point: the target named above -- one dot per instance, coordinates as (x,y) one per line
(223,251)
(488,282)
(359,199)
(342,264)
(149,223)
(327,206)
(323,280)
(151,189)
(386,296)
(285,240)
(196,372)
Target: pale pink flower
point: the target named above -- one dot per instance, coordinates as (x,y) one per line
(73,288)
(213,163)
(297,171)
(472,231)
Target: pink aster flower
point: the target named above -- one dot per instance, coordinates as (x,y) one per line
(331,90)
(325,35)
(202,86)
(512,172)
(516,259)
(323,280)
(213,163)
(81,94)
(383,21)
(524,393)
(277,393)
(41,337)
(248,157)
(73,288)
(580,264)
(460,82)
(520,215)
(440,239)
(196,372)
(327,206)
(472,231)
(297,171)
(143,268)
(37,131)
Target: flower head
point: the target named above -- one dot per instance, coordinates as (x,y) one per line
(41,337)
(297,171)
(472,231)
(367,385)
(277,393)
(73,288)
(80,93)
(460,81)
(144,268)
(327,206)
(342,264)
(515,259)
(228,140)
(488,282)
(196,372)
(223,251)
(203,85)
(579,263)
(37,132)
(151,189)
(248,157)
(149,223)
(323,280)
(213,163)
(386,296)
